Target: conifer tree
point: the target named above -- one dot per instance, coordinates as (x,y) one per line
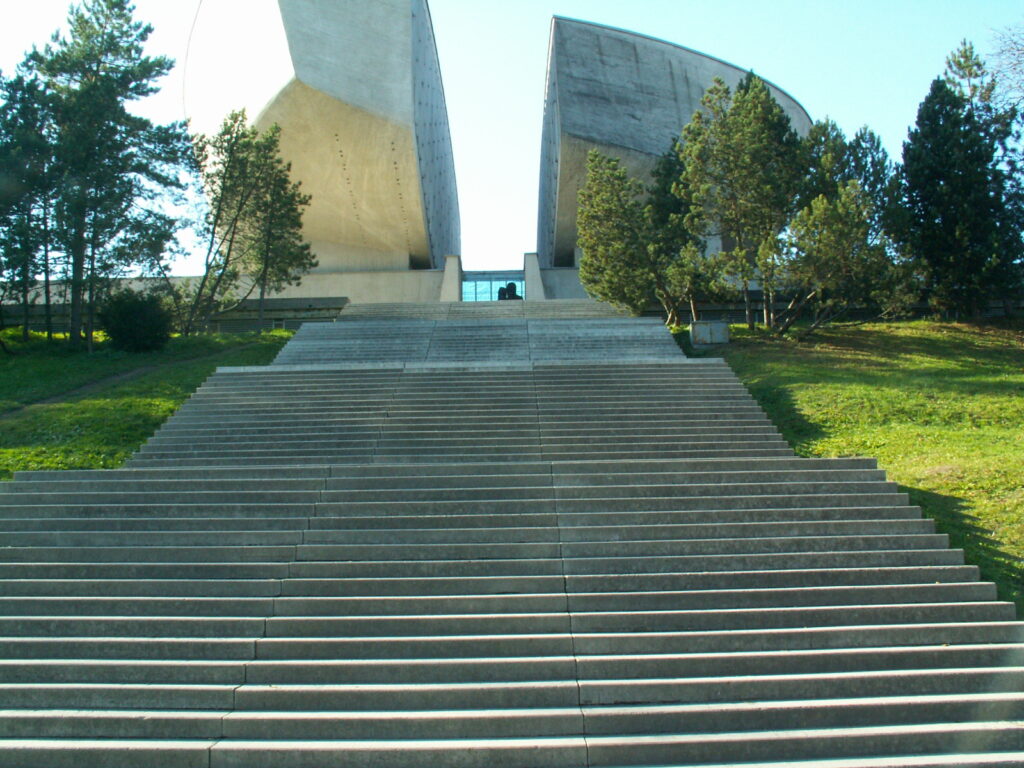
(636,247)
(968,77)
(742,163)
(111,165)
(827,162)
(834,258)
(961,210)
(610,226)
(878,176)
(278,254)
(25,188)
(251,222)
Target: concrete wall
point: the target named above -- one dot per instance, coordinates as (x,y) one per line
(356,89)
(433,141)
(624,94)
(562,284)
(416,286)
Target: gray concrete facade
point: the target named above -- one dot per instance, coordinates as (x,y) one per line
(624,94)
(433,141)
(356,88)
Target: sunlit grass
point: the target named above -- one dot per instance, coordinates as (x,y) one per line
(40,369)
(103,428)
(941,406)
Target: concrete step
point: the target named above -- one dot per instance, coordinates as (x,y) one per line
(247,604)
(720,718)
(516,694)
(795,587)
(782,746)
(789,638)
(152,524)
(457,560)
(605,672)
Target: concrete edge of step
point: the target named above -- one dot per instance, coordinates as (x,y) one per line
(464,366)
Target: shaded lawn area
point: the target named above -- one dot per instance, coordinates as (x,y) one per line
(101,429)
(940,405)
(39,369)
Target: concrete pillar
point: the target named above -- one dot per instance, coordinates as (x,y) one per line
(533,285)
(451,283)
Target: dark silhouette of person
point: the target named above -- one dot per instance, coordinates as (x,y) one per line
(510,293)
(502,294)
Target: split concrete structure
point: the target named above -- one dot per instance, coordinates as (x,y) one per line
(356,88)
(625,94)
(479,535)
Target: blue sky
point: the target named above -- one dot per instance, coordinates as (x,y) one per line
(866,62)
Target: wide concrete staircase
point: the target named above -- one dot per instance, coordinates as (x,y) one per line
(391,550)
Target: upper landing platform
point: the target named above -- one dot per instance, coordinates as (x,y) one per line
(481,310)
(510,334)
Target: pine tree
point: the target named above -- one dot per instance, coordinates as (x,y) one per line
(251,221)
(742,164)
(610,226)
(870,166)
(279,255)
(996,114)
(636,246)
(968,77)
(827,162)
(834,260)
(954,193)
(111,165)
(25,187)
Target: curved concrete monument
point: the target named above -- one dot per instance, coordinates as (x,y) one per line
(624,94)
(356,89)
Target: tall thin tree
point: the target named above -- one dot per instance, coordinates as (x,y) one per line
(110,162)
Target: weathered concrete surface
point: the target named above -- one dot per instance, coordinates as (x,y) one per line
(562,284)
(356,89)
(451,285)
(626,94)
(534,280)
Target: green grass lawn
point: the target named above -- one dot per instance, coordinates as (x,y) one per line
(102,428)
(941,406)
(39,370)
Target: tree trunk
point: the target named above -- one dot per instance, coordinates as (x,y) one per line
(769,307)
(3,346)
(748,308)
(795,312)
(47,303)
(693,311)
(26,272)
(77,255)
(91,304)
(668,304)
(263,295)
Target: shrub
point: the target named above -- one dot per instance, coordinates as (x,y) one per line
(136,322)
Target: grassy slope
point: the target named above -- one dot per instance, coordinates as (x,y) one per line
(940,405)
(39,370)
(102,428)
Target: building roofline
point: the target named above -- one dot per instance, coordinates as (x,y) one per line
(567,19)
